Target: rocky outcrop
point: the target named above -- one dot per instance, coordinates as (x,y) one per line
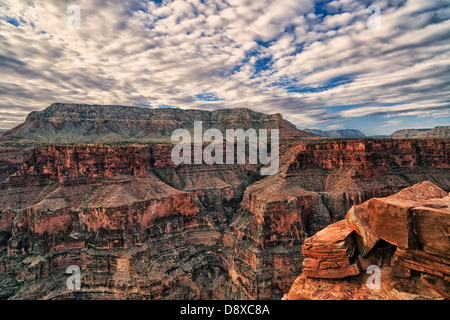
(406,234)
(403,219)
(356,288)
(330,253)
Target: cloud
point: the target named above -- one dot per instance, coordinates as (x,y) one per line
(335,127)
(337,20)
(314,62)
(392,123)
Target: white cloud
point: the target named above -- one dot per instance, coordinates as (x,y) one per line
(336,127)
(337,20)
(247,53)
(392,123)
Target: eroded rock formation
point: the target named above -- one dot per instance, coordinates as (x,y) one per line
(407,235)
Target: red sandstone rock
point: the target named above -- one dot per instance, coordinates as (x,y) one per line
(423,262)
(371,158)
(355,288)
(98,203)
(329,253)
(379,256)
(439,285)
(10,161)
(392,219)
(332,273)
(431,223)
(410,235)
(334,238)
(421,191)
(358,219)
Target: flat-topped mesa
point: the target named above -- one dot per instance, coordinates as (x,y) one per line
(81,123)
(436,132)
(344,133)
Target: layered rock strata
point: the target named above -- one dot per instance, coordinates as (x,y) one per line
(140,227)
(11,160)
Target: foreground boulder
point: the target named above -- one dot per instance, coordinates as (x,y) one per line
(391,219)
(404,237)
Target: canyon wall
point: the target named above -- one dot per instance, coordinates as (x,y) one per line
(140,227)
(11,160)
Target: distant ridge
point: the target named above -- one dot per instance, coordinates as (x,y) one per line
(436,132)
(379,136)
(83,123)
(343,133)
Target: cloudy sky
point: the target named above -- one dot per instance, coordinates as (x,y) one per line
(322,64)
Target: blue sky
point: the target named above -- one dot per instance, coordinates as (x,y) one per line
(319,63)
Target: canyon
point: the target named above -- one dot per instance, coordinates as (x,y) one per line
(141,227)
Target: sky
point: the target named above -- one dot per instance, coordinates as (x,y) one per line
(376,66)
